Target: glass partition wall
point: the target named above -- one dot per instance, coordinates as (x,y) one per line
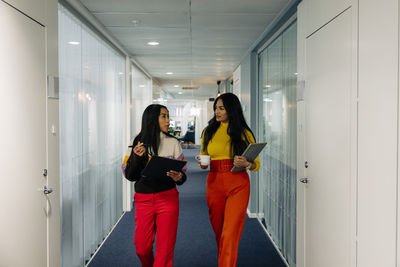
(92,91)
(141,97)
(277,65)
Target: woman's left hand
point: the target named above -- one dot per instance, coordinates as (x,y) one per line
(240,161)
(176,176)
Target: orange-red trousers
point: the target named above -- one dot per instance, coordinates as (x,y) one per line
(227,198)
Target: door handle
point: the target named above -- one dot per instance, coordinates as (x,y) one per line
(47,191)
(304,180)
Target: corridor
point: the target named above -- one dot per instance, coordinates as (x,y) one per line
(195,246)
(318,81)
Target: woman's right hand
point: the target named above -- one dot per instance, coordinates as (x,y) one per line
(139,149)
(201,166)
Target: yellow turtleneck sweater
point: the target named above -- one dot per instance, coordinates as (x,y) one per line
(219,145)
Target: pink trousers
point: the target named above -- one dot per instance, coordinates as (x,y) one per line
(159,213)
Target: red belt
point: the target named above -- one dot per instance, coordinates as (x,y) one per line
(222,165)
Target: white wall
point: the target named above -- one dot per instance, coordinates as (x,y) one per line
(202,119)
(374,123)
(320,12)
(45,12)
(377,132)
(127,186)
(53,152)
(242,88)
(245,86)
(236,82)
(35,9)
(300,192)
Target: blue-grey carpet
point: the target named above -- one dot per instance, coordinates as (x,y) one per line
(195,246)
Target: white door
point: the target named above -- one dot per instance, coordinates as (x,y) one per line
(22,140)
(327,143)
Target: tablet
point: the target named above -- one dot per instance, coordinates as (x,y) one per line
(159,166)
(250,154)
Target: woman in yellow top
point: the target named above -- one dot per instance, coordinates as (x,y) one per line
(224,140)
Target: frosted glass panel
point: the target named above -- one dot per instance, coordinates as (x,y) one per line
(142,95)
(277,190)
(92,86)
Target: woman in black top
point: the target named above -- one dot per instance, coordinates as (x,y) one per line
(156,198)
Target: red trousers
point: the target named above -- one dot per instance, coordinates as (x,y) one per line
(227,198)
(156,212)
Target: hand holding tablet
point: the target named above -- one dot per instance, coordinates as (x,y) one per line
(250,154)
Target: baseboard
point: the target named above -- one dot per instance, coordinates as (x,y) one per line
(273,243)
(255,215)
(105,239)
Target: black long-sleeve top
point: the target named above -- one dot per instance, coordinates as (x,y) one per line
(169,147)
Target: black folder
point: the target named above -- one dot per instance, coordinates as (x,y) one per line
(159,166)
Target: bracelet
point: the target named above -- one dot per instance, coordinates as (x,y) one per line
(249,166)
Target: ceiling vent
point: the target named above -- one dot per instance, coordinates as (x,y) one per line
(190,87)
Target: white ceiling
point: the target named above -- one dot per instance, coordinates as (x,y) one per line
(201,41)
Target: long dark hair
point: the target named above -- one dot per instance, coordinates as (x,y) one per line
(237,125)
(150,131)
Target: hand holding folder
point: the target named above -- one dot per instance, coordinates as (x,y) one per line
(158,167)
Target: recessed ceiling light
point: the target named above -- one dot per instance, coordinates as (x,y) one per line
(176,85)
(120,73)
(169,73)
(267,86)
(153,43)
(74,43)
(135,21)
(180,93)
(142,85)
